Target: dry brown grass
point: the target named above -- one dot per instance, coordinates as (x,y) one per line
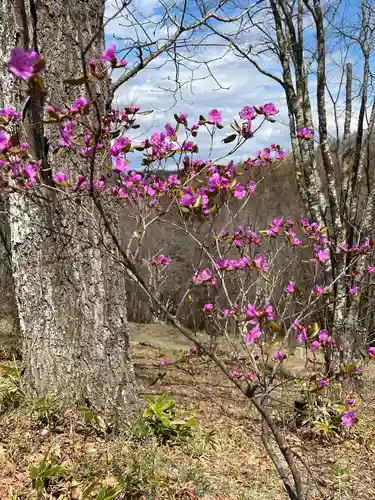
(235,468)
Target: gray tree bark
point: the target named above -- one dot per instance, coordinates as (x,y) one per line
(70,292)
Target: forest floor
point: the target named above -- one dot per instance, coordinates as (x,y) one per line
(224,459)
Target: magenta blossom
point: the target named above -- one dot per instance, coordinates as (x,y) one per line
(207,307)
(253,335)
(188,199)
(251,186)
(353,292)
(10,114)
(315,345)
(305,133)
(318,290)
(322,383)
(182,118)
(250,375)
(169,130)
(21,63)
(121,165)
(349,418)
(66,135)
(214,116)
(4,141)
(280,356)
(268,109)
(260,262)
(204,277)
(371,352)
(248,113)
(163,362)
(60,177)
(321,255)
(290,289)
(109,53)
(302,337)
(162,259)
(239,191)
(79,105)
(236,374)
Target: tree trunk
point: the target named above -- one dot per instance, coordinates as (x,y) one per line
(70,292)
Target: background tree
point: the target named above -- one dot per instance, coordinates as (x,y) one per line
(314,44)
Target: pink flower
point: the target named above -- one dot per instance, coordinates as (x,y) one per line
(173,180)
(239,191)
(164,260)
(60,177)
(315,345)
(260,262)
(302,337)
(188,199)
(248,113)
(251,186)
(214,116)
(318,290)
(236,374)
(268,310)
(322,383)
(250,375)
(253,335)
(121,145)
(279,356)
(10,114)
(207,307)
(30,171)
(305,133)
(4,141)
(290,288)
(371,352)
(169,130)
(268,109)
(370,269)
(323,336)
(21,63)
(163,362)
(109,53)
(121,165)
(321,256)
(246,131)
(353,292)
(79,105)
(349,418)
(182,118)
(204,277)
(66,135)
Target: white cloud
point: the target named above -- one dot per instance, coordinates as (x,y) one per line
(242,84)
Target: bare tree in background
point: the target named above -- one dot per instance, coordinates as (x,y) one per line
(315,44)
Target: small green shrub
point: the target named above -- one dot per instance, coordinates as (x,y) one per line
(10,388)
(46,475)
(46,409)
(166,422)
(95,421)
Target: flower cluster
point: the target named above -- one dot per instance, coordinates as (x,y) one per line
(161,260)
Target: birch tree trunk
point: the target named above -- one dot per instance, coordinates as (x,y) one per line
(70,293)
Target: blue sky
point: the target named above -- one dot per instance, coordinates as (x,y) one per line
(241,83)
